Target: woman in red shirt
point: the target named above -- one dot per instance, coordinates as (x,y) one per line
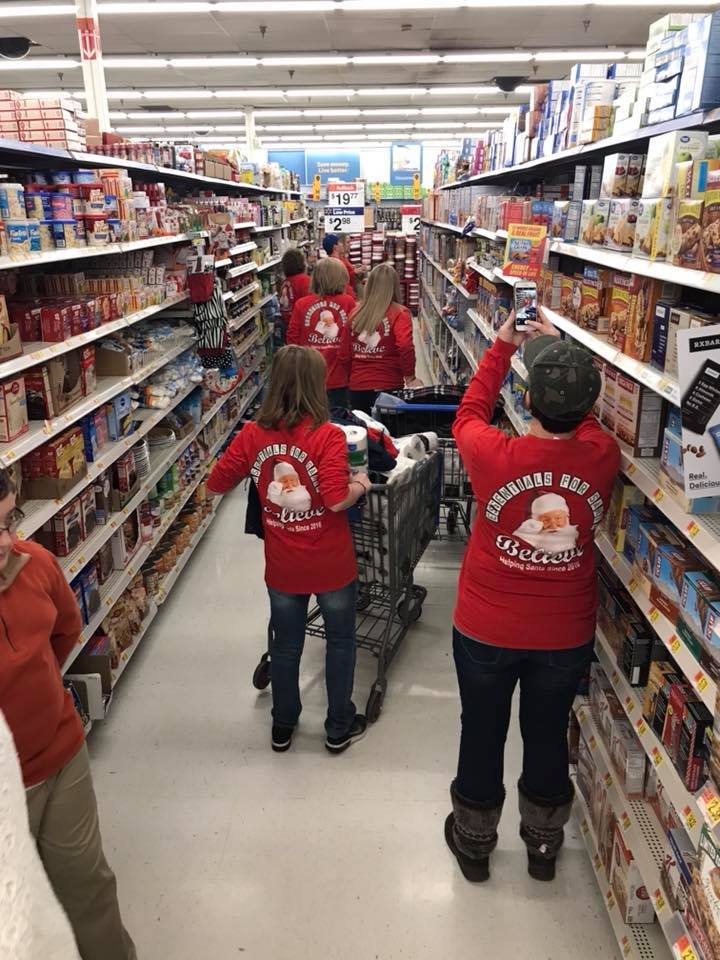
(527,592)
(383,354)
(322,321)
(298,461)
(295,285)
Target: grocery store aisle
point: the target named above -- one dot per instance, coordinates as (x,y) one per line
(224,849)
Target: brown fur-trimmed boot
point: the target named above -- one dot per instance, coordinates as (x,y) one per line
(471,834)
(541,827)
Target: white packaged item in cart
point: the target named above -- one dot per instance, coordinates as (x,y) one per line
(417,445)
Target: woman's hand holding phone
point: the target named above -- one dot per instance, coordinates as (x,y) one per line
(541,326)
(509,334)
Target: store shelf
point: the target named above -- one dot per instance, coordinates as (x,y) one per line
(626,138)
(439,353)
(643,372)
(452,227)
(486,330)
(291,223)
(684,802)
(241,269)
(40,431)
(120,579)
(448,276)
(126,655)
(238,322)
(266,228)
(236,295)
(703,685)
(702,530)
(84,253)
(170,579)
(245,225)
(39,352)
(271,263)
(486,272)
(225,262)
(242,248)
(641,831)
(520,425)
(638,941)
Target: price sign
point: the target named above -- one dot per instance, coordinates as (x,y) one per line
(625,820)
(629,704)
(346,194)
(690,819)
(693,529)
(640,727)
(659,901)
(701,681)
(626,947)
(656,756)
(658,495)
(654,614)
(711,803)
(674,644)
(344,219)
(685,949)
(632,585)
(410,218)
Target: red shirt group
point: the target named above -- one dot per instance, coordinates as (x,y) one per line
(377,361)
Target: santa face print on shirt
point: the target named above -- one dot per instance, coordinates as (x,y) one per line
(325,321)
(373,342)
(285,489)
(549,528)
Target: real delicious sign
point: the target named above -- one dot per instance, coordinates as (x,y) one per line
(697,460)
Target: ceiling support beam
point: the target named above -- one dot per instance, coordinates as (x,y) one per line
(92,63)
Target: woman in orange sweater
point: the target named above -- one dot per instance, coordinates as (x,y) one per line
(39,626)
(383,354)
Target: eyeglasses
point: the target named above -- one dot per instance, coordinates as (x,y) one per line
(12,522)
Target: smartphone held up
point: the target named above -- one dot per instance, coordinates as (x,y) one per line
(525,302)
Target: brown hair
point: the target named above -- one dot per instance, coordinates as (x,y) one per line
(329,277)
(383,288)
(7,483)
(296,389)
(293,262)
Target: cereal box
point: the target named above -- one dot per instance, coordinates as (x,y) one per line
(590,312)
(644,294)
(711,225)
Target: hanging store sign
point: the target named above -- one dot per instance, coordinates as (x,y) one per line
(89,37)
(344,219)
(410,217)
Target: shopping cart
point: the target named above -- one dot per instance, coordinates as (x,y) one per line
(403,417)
(390,533)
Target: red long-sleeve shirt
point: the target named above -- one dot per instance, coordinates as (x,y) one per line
(381,360)
(323,322)
(528,577)
(300,474)
(39,626)
(292,289)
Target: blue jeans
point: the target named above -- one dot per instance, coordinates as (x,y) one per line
(288,612)
(487,676)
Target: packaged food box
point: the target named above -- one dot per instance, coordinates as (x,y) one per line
(625,493)
(64,531)
(637,514)
(619,310)
(622,222)
(636,651)
(644,294)
(639,417)
(87,511)
(614,175)
(585,770)
(671,563)
(628,758)
(679,863)
(680,318)
(664,153)
(671,457)
(13,409)
(648,219)
(587,222)
(680,694)
(590,311)
(90,586)
(662,683)
(685,243)
(660,333)
(631,895)
(651,535)
(600,217)
(693,743)
(608,414)
(635,169)
(700,590)
(711,226)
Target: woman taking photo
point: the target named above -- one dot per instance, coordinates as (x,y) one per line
(299,462)
(322,321)
(383,355)
(41,625)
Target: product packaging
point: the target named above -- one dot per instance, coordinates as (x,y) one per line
(639,417)
(625,494)
(614,176)
(671,563)
(685,241)
(665,152)
(633,899)
(622,223)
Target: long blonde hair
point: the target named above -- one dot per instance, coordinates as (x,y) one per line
(383,288)
(296,389)
(329,277)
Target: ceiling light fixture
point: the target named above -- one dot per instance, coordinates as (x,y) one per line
(392,59)
(458,111)
(210,61)
(278,113)
(490,57)
(469,91)
(330,112)
(390,112)
(40,63)
(309,61)
(319,92)
(111,7)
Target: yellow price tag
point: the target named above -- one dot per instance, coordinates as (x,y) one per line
(615,677)
(701,681)
(626,948)
(608,780)
(610,900)
(713,810)
(584,826)
(629,704)
(625,819)
(593,743)
(641,728)
(674,644)
(659,900)
(658,495)
(654,614)
(693,529)
(631,468)
(632,585)
(656,756)
(690,819)
(685,948)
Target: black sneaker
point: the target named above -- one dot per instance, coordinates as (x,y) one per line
(281,738)
(357,731)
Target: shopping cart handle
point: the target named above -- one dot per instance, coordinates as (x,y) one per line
(420,407)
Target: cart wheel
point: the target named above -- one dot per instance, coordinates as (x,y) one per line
(261,677)
(362,601)
(374,705)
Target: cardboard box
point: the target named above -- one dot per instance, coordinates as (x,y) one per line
(13,409)
(619,310)
(648,219)
(685,242)
(692,749)
(620,234)
(55,386)
(587,222)
(600,219)
(644,294)
(636,652)
(639,417)
(631,895)
(710,243)
(126,541)
(660,332)
(652,534)
(664,153)
(614,175)
(637,514)
(609,402)
(670,566)
(63,533)
(679,862)
(625,493)
(679,319)
(628,758)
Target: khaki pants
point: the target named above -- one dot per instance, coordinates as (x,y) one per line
(64,821)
